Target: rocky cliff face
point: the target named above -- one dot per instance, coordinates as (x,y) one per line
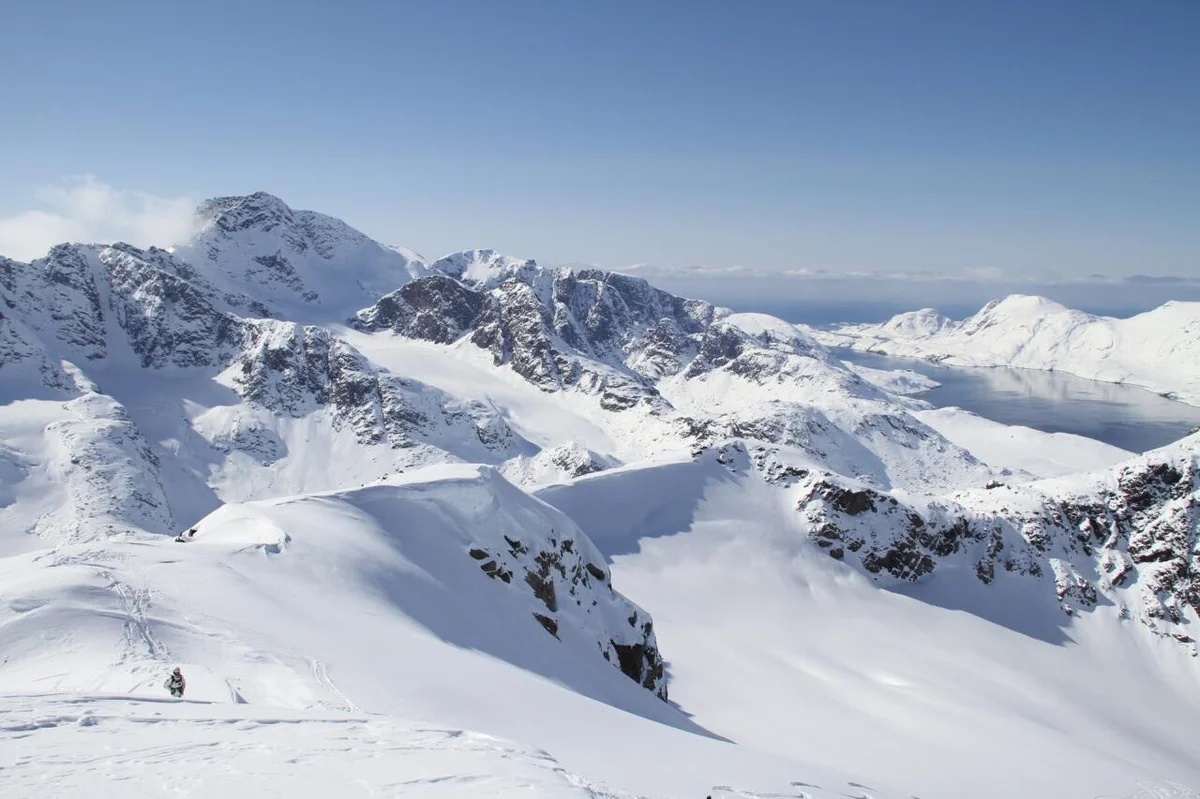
(83,300)
(569,579)
(604,333)
(296,370)
(1129,536)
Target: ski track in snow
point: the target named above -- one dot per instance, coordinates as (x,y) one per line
(321,672)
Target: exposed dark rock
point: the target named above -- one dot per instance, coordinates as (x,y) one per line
(434,308)
(548,623)
(543,589)
(642,664)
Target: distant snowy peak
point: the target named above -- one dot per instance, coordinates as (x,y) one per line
(296,263)
(774,333)
(1022,312)
(483,269)
(918,324)
(1032,305)
(1158,349)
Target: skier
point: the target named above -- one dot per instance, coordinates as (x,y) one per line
(183,538)
(175,683)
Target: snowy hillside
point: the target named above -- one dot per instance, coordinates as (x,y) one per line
(850,580)
(62,746)
(1159,349)
(330,610)
(800,603)
(1023,450)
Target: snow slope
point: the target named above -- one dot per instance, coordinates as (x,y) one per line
(64,746)
(780,647)
(1019,448)
(370,601)
(1159,349)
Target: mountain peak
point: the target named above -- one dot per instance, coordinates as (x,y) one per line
(918,324)
(485,268)
(1024,305)
(239,212)
(298,264)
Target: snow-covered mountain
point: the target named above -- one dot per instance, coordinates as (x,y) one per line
(352,432)
(297,264)
(1159,349)
(678,374)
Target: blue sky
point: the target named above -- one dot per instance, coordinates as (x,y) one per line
(1049,138)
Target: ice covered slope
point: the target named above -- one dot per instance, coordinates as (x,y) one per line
(1159,349)
(774,643)
(72,746)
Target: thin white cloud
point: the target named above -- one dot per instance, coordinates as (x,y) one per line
(84,209)
(981,276)
(822,296)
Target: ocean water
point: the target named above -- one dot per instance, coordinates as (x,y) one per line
(1056,402)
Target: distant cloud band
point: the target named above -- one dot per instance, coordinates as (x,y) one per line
(84,209)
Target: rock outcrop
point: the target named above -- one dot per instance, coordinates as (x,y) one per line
(1129,536)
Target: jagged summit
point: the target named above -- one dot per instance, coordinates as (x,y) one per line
(227,210)
(685,372)
(482,268)
(298,264)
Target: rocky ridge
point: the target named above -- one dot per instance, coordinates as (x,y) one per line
(1128,536)
(231,307)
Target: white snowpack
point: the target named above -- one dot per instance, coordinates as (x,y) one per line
(1158,349)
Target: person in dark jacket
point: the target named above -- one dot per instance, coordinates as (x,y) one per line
(175,683)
